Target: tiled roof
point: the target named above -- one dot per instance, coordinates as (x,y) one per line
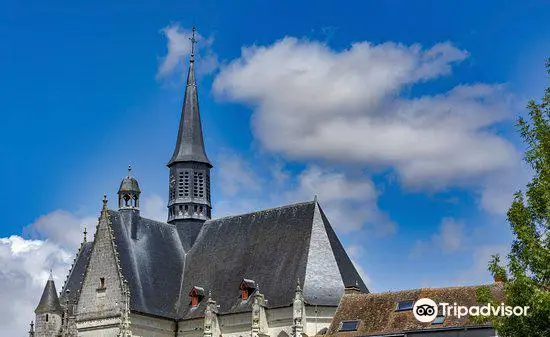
(377,313)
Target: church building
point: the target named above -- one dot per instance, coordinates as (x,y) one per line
(278,272)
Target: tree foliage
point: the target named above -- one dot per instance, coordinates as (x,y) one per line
(526,277)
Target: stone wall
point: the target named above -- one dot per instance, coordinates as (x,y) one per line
(47,325)
(101,295)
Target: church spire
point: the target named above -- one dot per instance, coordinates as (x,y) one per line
(190,142)
(189,190)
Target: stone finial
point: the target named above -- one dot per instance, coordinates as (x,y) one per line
(298,288)
(105,201)
(129,170)
(85,234)
(31,331)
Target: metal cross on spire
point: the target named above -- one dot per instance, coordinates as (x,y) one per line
(193,42)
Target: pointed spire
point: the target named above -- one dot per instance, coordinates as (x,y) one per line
(49,302)
(190,142)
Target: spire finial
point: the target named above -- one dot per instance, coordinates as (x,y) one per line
(315,198)
(85,234)
(104,201)
(51,276)
(193,41)
(298,285)
(129,170)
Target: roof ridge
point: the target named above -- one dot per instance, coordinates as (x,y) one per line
(300,203)
(148,219)
(431,288)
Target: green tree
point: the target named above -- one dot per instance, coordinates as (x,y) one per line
(527,275)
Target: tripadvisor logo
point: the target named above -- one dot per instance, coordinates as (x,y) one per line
(426,310)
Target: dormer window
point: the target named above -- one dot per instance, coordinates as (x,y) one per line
(196,294)
(247,287)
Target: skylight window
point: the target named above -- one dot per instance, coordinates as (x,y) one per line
(349,325)
(405,305)
(439,320)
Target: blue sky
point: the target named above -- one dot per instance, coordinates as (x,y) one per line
(399,115)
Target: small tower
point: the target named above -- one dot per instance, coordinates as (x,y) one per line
(189,184)
(128,193)
(48,312)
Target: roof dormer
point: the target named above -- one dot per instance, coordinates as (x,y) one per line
(247,288)
(196,294)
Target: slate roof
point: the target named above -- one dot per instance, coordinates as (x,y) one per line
(377,314)
(152,261)
(274,248)
(129,184)
(190,143)
(71,289)
(49,302)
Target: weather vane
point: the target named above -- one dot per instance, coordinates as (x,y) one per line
(193,41)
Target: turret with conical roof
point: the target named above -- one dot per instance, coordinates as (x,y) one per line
(48,312)
(189,185)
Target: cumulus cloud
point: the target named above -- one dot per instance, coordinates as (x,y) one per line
(49,243)
(349,201)
(25,266)
(62,227)
(179,46)
(312,102)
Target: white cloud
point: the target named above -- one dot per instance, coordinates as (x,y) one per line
(24,269)
(62,227)
(311,102)
(350,203)
(25,263)
(179,46)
